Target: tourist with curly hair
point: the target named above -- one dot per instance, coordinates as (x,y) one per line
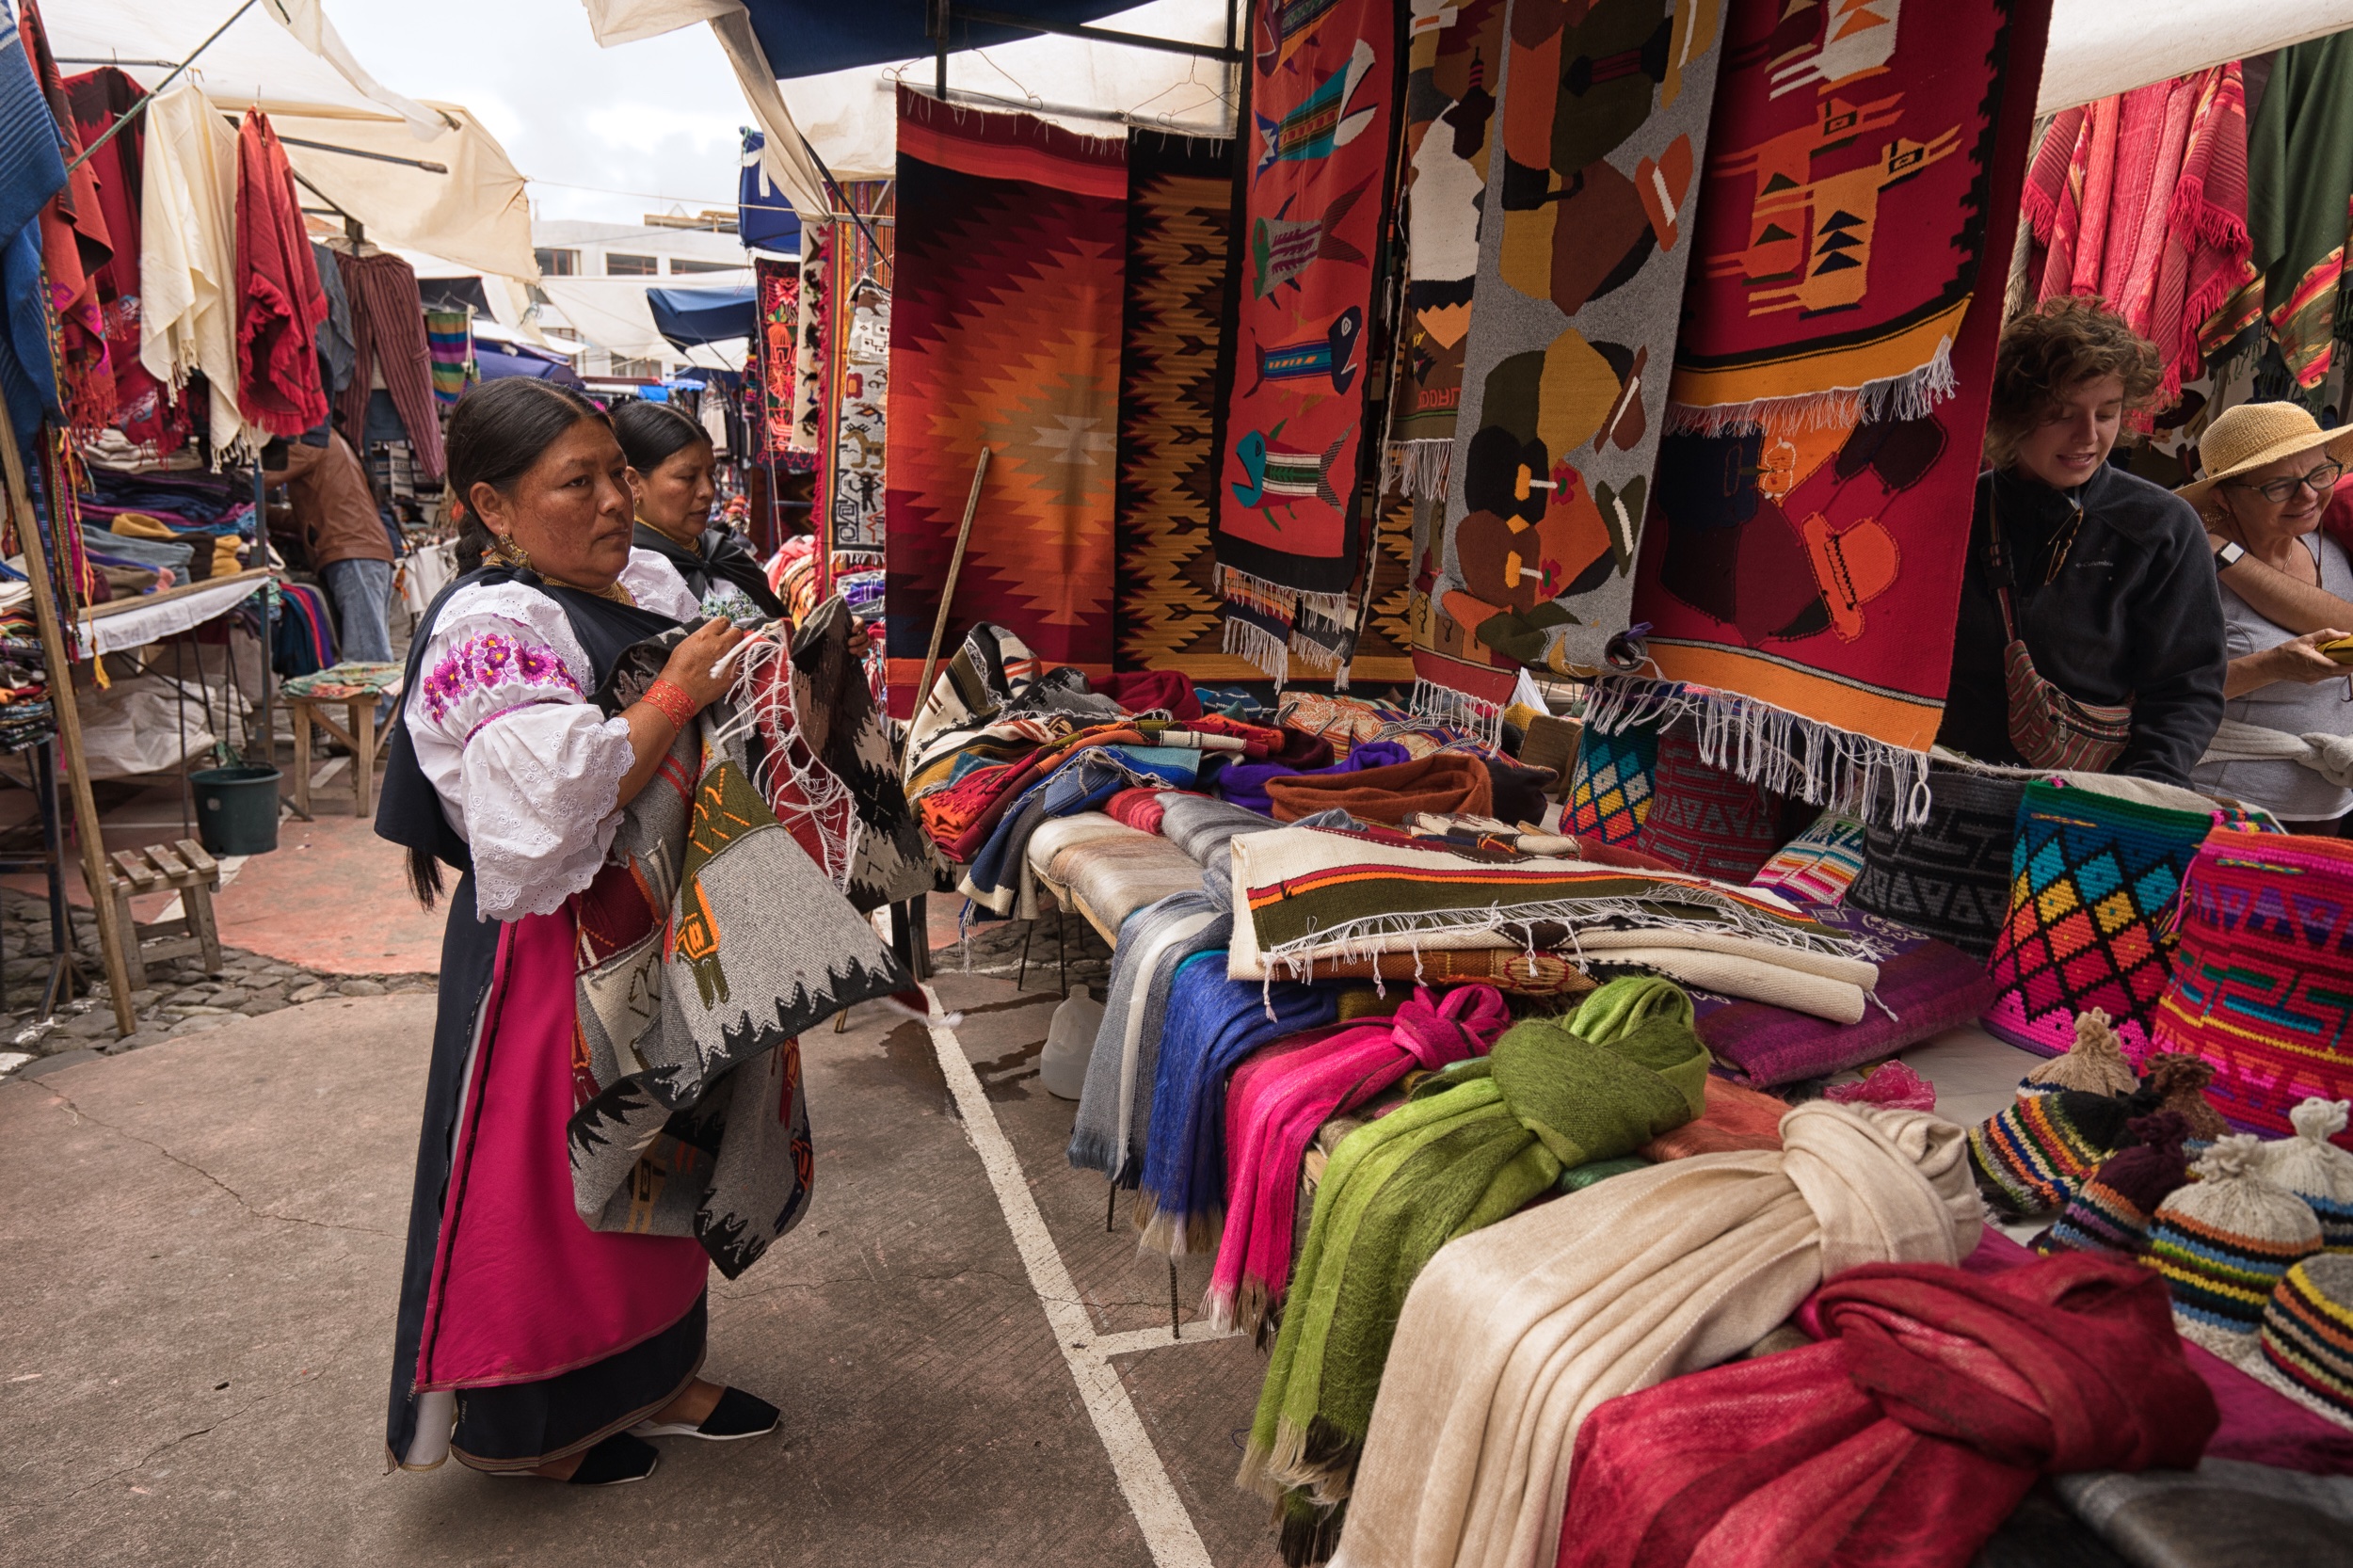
(2091,632)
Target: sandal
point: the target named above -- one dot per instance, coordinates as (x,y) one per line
(737,1415)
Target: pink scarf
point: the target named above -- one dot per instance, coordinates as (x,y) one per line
(1283,1093)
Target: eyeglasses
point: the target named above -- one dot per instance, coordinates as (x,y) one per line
(2278,492)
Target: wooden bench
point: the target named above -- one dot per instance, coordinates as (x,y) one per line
(357,734)
(185,869)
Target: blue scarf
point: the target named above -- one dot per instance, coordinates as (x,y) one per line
(1213,1023)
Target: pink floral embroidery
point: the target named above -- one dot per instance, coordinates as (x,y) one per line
(493,659)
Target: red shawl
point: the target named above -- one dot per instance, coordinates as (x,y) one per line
(1905,1439)
(281,300)
(74,248)
(2141,201)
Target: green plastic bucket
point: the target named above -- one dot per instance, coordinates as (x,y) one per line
(237,809)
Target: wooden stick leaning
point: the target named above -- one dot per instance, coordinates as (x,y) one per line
(60,680)
(948,593)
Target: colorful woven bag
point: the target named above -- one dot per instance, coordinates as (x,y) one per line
(2093,881)
(1610,788)
(1707,820)
(1946,876)
(2263,984)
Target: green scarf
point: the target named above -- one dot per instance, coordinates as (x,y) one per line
(1473,1145)
(2299,165)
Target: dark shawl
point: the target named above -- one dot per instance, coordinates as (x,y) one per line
(723,556)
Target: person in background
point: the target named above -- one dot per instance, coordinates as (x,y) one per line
(670,475)
(343,538)
(2272,473)
(2090,632)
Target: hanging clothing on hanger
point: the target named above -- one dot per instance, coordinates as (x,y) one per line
(148,419)
(388,334)
(281,300)
(188,255)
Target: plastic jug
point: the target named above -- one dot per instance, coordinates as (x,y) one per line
(1069,1041)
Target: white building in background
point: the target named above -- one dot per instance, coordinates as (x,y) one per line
(664,250)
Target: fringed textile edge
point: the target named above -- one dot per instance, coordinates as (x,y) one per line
(1246,640)
(1481,719)
(1913,394)
(1771,747)
(1418,468)
(1274,598)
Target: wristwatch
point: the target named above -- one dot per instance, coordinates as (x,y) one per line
(2229,556)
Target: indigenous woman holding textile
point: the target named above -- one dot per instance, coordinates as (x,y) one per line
(2270,471)
(670,466)
(528,1342)
(2090,631)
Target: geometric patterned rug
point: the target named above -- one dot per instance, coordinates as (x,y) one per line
(1610,789)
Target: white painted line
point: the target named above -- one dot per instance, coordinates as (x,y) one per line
(328,770)
(1158,1339)
(1159,1514)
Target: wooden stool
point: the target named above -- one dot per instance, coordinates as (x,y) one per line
(193,875)
(357,734)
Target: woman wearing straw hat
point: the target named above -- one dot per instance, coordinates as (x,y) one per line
(2287,741)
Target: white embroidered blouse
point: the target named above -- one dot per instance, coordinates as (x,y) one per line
(529,770)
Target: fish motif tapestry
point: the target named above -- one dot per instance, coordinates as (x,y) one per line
(1604,124)
(1315,198)
(1181,259)
(1454,67)
(857,377)
(1004,333)
(1809,524)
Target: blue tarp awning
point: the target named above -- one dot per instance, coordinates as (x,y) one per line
(809,37)
(764,221)
(691,317)
(496,365)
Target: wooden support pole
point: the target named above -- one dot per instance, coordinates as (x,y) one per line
(948,592)
(60,677)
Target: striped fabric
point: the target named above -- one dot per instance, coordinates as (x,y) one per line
(2099,1219)
(1819,865)
(2039,1151)
(388,334)
(2221,1280)
(2307,1339)
(449,340)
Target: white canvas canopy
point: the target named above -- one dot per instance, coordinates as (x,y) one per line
(612,314)
(476,214)
(2097,47)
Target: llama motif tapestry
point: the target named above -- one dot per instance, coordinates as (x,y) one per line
(808,342)
(1180,228)
(1454,65)
(858,378)
(1314,178)
(1809,528)
(1004,333)
(1605,121)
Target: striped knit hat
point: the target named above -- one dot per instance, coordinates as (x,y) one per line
(2223,1241)
(2177,1083)
(2307,1341)
(2094,1064)
(2315,1170)
(2111,1211)
(2031,1158)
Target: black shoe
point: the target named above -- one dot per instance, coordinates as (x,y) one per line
(736,1416)
(615,1462)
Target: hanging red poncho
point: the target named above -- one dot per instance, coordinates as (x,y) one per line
(282,301)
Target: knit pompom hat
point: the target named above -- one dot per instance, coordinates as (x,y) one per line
(2306,1346)
(2315,1170)
(2223,1241)
(2033,1156)
(2177,1081)
(2094,1064)
(2111,1211)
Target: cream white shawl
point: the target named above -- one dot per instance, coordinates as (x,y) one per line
(1515,1333)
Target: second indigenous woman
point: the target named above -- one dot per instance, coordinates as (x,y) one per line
(670,475)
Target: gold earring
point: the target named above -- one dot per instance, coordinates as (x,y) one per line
(505,549)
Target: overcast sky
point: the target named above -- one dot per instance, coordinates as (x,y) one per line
(657,117)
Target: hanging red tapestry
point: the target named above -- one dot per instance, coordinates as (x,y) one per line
(1803,559)
(1316,192)
(1004,333)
